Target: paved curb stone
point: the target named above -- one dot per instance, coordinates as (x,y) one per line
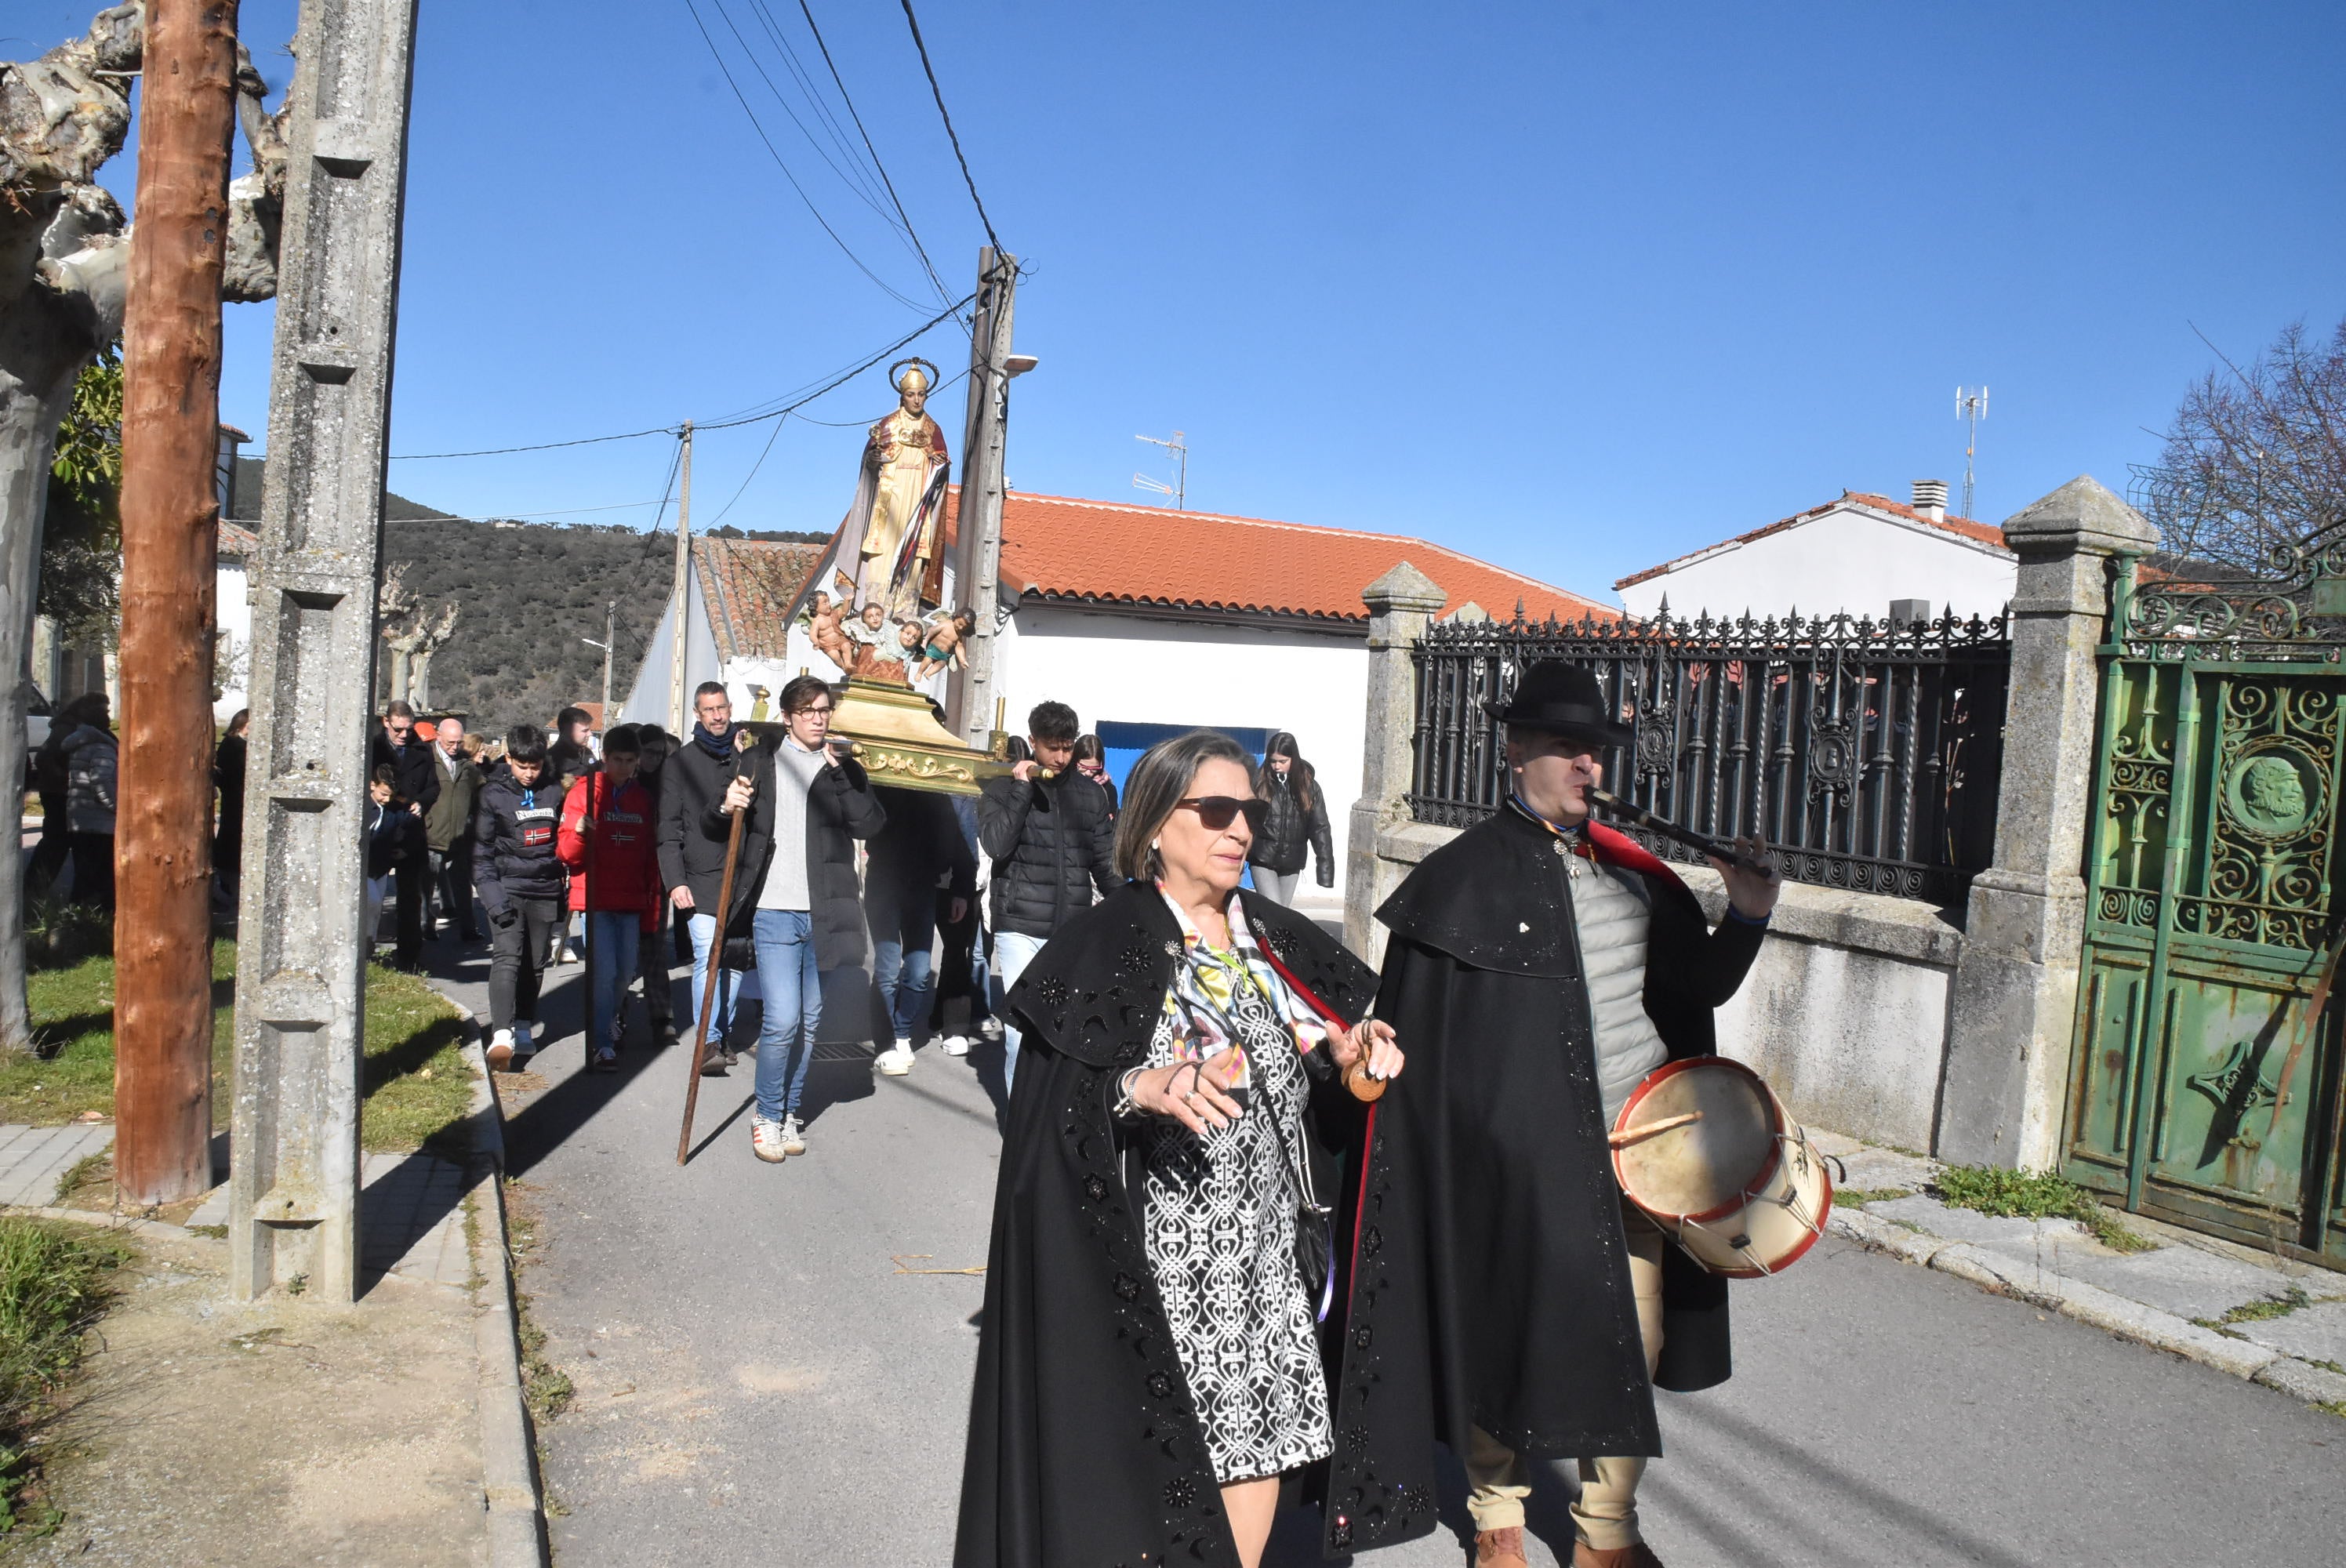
(2090,1304)
(508,1464)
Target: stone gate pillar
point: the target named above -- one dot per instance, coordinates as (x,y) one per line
(1400,604)
(2015,987)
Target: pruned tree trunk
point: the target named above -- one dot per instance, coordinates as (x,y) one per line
(61,291)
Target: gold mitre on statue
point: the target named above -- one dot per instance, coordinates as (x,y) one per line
(919,376)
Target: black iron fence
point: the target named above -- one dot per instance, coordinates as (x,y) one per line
(1867,752)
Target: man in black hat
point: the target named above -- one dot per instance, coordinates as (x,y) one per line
(1540,965)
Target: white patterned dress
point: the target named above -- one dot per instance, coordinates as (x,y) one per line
(1219,1219)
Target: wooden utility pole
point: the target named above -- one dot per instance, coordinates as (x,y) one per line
(171,522)
(978,557)
(679,718)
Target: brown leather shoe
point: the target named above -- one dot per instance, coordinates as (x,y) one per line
(1637,1554)
(1500,1548)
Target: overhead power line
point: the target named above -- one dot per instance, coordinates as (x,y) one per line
(732,423)
(938,93)
(843,96)
(780,162)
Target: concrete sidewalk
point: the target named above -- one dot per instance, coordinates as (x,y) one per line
(2273,1319)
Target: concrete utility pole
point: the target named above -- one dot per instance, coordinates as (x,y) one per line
(679,717)
(300,993)
(978,557)
(171,522)
(610,616)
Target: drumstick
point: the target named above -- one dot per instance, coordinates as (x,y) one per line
(1644,1130)
(1615,805)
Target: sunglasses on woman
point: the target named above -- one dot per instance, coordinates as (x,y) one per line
(1217,811)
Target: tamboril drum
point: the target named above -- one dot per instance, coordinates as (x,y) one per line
(1703,1147)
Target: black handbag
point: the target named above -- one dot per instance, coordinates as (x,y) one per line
(740,954)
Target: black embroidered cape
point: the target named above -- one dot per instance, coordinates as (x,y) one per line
(1085,1450)
(1493,1280)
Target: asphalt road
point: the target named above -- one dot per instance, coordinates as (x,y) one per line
(763,1374)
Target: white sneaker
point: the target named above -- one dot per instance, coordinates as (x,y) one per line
(501,1050)
(956,1045)
(989,1031)
(793,1136)
(766,1140)
(896,1063)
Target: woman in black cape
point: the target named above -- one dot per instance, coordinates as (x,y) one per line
(1163,1251)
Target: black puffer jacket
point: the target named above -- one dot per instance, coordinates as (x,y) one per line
(1052,842)
(1290,828)
(512,841)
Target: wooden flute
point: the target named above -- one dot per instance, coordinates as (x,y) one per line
(1614,806)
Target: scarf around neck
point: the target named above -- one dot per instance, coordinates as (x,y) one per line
(720,746)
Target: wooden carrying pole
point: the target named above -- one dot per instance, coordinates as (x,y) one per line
(170,522)
(708,985)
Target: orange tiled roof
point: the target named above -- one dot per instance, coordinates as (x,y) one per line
(238,543)
(749,586)
(1980,533)
(1061,548)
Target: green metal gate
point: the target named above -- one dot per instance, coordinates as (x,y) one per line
(2211,908)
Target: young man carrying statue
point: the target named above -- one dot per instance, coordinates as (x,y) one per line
(1505,1295)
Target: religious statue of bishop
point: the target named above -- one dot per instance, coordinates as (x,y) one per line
(900,502)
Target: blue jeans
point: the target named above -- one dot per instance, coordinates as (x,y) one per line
(792,986)
(1013,952)
(616,938)
(901,965)
(713,1030)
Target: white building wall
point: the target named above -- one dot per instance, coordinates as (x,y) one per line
(232,614)
(1842,561)
(1130,669)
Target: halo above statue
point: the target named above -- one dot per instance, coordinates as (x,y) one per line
(912,380)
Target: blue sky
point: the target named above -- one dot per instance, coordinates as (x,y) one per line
(1573,287)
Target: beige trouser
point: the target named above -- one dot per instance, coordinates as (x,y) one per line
(1606,1514)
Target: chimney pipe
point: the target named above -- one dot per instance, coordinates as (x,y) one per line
(1930,499)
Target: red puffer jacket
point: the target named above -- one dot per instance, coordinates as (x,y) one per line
(626,874)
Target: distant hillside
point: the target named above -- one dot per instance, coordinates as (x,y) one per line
(526,593)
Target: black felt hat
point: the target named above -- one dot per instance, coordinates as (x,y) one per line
(1564,699)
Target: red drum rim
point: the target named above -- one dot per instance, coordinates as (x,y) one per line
(1798,1252)
(1760,1178)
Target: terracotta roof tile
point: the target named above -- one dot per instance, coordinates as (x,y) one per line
(1104,552)
(238,543)
(749,586)
(1963,527)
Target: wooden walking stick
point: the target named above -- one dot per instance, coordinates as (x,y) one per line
(708,985)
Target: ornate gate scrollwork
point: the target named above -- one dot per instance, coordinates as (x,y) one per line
(2212,875)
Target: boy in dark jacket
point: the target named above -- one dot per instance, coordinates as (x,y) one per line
(607,843)
(1052,838)
(394,840)
(517,869)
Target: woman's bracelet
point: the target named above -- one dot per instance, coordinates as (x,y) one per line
(1124,1105)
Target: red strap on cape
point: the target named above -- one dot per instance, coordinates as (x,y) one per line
(1616,848)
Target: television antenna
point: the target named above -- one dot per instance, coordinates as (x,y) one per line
(1179,488)
(1971,407)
